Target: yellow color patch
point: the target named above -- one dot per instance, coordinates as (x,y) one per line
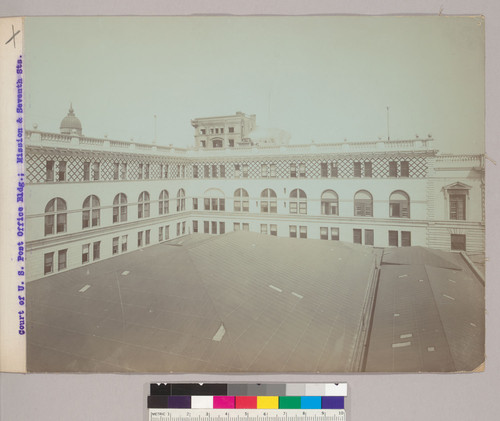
(267,402)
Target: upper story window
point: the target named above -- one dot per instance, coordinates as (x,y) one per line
(203,131)
(298,201)
(163,203)
(214,200)
(91,215)
(86,171)
(217,143)
(357,169)
(241,201)
(222,170)
(334,170)
(329,203)
(231,143)
(206,171)
(324,169)
(399,205)
(49,171)
(393,169)
(244,170)
(363,203)
(293,170)
(264,170)
(146,171)
(116,170)
(231,129)
(123,171)
(214,171)
(120,208)
(55,216)
(268,201)
(368,168)
(302,170)
(457,195)
(181,200)
(95,171)
(405,169)
(143,205)
(195,171)
(61,171)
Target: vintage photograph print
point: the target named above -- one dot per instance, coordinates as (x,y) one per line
(255,194)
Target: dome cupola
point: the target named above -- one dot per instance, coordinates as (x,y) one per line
(71,124)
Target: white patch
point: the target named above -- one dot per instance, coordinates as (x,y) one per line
(85,288)
(125,273)
(396,314)
(420,280)
(472,324)
(297,295)
(403,276)
(431,349)
(220,334)
(449,298)
(401,344)
(275,288)
(451,280)
(406,336)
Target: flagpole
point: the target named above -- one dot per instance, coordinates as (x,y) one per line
(388,134)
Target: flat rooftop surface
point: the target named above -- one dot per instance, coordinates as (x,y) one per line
(235,302)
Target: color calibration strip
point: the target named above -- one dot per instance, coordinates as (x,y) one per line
(248,396)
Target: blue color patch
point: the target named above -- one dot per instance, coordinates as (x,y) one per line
(310,402)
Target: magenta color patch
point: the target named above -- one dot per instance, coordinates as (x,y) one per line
(223,402)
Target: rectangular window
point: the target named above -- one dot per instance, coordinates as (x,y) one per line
(394,210)
(246,227)
(458,242)
(61,174)
(184,227)
(167,232)
(405,169)
(195,171)
(178,231)
(124,242)
(356,233)
(116,170)
(236,226)
(222,171)
(293,170)
(160,234)
(95,171)
(263,228)
(62,259)
(214,171)
(231,129)
(195,203)
(215,204)
(86,171)
(206,171)
(405,238)
(369,237)
(139,238)
(245,170)
(195,226)
(222,205)
(274,229)
(357,169)
(148,236)
(273,170)
(222,130)
(293,231)
(457,207)
(123,174)
(368,169)
(231,143)
(206,227)
(264,170)
(214,227)
(302,170)
(393,238)
(166,171)
(303,232)
(393,169)
(85,253)
(115,245)
(237,170)
(49,171)
(48,263)
(178,171)
(96,252)
(334,171)
(323,233)
(206,203)
(203,131)
(222,227)
(324,169)
(146,171)
(335,234)
(141,170)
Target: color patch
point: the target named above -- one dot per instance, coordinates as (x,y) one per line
(267,402)
(332,402)
(290,402)
(295,389)
(246,402)
(310,402)
(315,389)
(202,402)
(176,401)
(223,402)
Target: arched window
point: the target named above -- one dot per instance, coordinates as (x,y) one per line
(163,203)
(363,203)
(181,200)
(329,203)
(268,201)
(213,199)
(143,205)
(55,216)
(298,202)
(399,205)
(120,208)
(91,216)
(241,201)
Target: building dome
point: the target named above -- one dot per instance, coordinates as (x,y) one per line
(71,124)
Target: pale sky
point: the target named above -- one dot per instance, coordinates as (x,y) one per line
(320,78)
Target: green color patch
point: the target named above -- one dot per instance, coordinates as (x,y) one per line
(290,402)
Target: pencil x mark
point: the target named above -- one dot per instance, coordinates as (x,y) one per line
(13,37)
